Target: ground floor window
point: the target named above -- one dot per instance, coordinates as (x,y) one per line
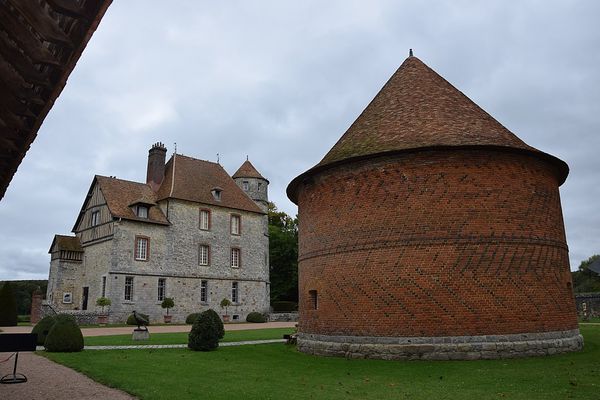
(235,292)
(128,288)
(103,286)
(204,291)
(162,288)
(314,300)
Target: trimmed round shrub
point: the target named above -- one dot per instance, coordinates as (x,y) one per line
(190,319)
(256,317)
(213,314)
(8,306)
(64,336)
(43,327)
(131,319)
(204,335)
(284,306)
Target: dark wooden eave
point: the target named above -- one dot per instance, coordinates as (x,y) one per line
(40,43)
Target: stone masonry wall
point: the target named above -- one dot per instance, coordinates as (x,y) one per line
(434,244)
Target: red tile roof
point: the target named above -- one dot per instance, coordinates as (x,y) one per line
(120,195)
(247,170)
(191,179)
(418,109)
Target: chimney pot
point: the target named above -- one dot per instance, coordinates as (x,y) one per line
(156,165)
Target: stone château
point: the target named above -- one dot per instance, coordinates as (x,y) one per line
(191,232)
(430,231)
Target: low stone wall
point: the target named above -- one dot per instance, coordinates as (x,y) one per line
(283,317)
(442,348)
(588,305)
(82,317)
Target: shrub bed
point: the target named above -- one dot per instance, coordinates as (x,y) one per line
(64,336)
(43,327)
(190,319)
(284,306)
(256,317)
(205,333)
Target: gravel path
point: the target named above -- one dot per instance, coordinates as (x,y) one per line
(48,380)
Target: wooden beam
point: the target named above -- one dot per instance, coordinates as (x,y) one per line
(41,22)
(29,43)
(70,8)
(21,63)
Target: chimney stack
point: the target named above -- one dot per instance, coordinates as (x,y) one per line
(156,165)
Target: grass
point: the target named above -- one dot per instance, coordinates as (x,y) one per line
(277,371)
(594,320)
(182,337)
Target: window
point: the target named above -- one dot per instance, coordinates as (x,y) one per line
(234,292)
(205,220)
(128,288)
(204,291)
(236,224)
(103,287)
(245,185)
(95,218)
(67,298)
(314,302)
(216,192)
(162,288)
(236,317)
(235,258)
(142,248)
(142,211)
(204,255)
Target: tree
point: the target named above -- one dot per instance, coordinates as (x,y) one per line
(8,306)
(103,302)
(226,303)
(167,303)
(283,255)
(585,280)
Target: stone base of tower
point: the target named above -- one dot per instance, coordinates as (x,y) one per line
(442,348)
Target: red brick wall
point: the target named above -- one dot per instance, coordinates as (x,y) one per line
(435,244)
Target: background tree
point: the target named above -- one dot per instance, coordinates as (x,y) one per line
(8,306)
(283,255)
(23,291)
(585,280)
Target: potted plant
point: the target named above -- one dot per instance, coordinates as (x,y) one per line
(167,303)
(103,302)
(226,303)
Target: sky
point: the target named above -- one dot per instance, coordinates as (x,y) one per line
(281,81)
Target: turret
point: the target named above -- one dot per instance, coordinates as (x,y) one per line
(253,184)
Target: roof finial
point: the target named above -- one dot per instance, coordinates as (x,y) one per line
(175,145)
(217,158)
(246,157)
(410,52)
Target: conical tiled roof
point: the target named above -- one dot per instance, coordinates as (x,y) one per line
(247,170)
(418,109)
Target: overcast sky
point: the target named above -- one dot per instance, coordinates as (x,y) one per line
(281,81)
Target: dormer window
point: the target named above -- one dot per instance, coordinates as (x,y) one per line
(141,211)
(216,192)
(245,186)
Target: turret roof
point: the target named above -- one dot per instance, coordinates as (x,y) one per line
(247,170)
(418,109)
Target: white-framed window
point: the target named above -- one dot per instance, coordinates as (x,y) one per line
(236,224)
(67,298)
(235,292)
(128,295)
(204,291)
(142,248)
(204,254)
(235,257)
(95,218)
(162,289)
(142,211)
(205,220)
(103,291)
(246,185)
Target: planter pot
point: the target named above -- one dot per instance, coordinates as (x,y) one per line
(225,318)
(168,318)
(102,319)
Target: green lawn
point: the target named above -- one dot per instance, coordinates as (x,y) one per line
(177,338)
(277,371)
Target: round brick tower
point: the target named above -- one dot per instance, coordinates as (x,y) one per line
(430,231)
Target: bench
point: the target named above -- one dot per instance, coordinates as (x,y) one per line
(16,342)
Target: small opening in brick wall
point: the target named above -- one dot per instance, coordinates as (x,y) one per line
(236,317)
(314,300)
(569,285)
